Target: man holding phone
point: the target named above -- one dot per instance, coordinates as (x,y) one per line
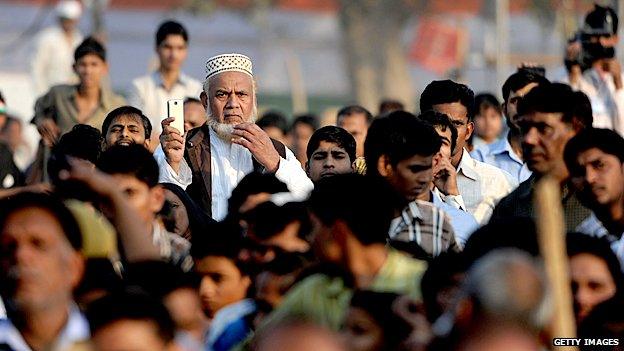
(594,69)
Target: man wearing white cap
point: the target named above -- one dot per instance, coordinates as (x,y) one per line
(213,158)
(54,51)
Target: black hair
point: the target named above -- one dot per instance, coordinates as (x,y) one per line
(127,111)
(225,240)
(399,136)
(379,305)
(440,275)
(159,278)
(90,46)
(99,274)
(170,28)
(557,98)
(254,183)
(486,100)
(599,16)
(2,98)
(130,304)
(389,105)
(308,119)
(365,203)
(447,91)
(269,219)
(198,219)
(354,110)
(332,134)
(132,160)
(605,140)
(273,119)
(519,80)
(442,121)
(82,142)
(605,321)
(50,203)
(579,243)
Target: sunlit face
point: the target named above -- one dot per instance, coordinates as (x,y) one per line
(129,334)
(459,116)
(194,115)
(327,160)
(361,332)
(412,176)
(357,125)
(447,141)
(179,213)
(599,177)
(144,200)
(38,264)
(544,136)
(222,283)
(125,130)
(231,98)
(172,52)
(592,283)
(91,69)
(511,106)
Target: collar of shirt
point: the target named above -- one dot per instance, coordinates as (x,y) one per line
(75,330)
(157,77)
(503,146)
(466,166)
(409,214)
(105,97)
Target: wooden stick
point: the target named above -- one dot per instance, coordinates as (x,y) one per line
(551,236)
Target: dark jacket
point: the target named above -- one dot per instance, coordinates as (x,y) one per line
(197,155)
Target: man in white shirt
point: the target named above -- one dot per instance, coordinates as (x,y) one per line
(481,185)
(53,61)
(212,159)
(41,264)
(151,92)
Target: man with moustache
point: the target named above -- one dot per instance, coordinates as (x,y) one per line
(210,161)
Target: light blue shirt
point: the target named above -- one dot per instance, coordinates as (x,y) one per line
(463,223)
(501,155)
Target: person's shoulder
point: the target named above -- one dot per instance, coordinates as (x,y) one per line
(142,82)
(492,173)
(480,153)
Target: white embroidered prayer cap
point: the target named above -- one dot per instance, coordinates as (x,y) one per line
(227,63)
(70,9)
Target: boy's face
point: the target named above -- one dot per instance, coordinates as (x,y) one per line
(125,130)
(327,160)
(145,200)
(129,334)
(222,283)
(411,177)
(172,52)
(599,177)
(91,69)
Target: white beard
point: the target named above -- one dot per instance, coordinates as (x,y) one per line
(224,130)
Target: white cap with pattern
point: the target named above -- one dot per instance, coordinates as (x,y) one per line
(227,63)
(70,9)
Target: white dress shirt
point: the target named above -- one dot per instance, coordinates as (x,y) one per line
(481,186)
(228,165)
(150,96)
(75,330)
(53,59)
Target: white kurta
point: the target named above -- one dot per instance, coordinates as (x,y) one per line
(229,164)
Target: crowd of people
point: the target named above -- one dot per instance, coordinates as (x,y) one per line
(384,230)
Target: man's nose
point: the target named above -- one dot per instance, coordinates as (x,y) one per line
(233,101)
(530,137)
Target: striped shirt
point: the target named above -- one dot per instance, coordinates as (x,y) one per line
(427,226)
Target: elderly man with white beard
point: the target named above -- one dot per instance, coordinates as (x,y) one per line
(210,160)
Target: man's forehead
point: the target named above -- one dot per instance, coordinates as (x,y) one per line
(328,146)
(455,110)
(227,79)
(541,117)
(33,221)
(127,120)
(591,155)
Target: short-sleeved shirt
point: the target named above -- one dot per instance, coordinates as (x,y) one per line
(60,105)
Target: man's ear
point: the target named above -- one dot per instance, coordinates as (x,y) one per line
(340,232)
(307,167)
(204,99)
(469,129)
(504,109)
(76,268)
(157,195)
(384,167)
(146,143)
(75,67)
(577,125)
